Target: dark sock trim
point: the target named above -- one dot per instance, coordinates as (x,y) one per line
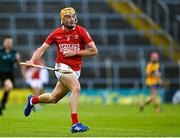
(5,98)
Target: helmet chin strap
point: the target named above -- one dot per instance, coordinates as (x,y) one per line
(68,26)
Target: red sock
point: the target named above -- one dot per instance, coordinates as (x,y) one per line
(35,100)
(74,118)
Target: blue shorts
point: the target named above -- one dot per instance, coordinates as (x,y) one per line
(155,86)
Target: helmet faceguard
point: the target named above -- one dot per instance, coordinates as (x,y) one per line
(68,17)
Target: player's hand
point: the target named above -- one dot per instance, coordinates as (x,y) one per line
(156,73)
(69,53)
(29,62)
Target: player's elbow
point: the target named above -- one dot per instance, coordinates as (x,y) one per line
(92,48)
(94,51)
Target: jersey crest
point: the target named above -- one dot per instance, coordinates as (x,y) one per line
(68,37)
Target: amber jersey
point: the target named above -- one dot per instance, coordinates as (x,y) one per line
(151,70)
(75,40)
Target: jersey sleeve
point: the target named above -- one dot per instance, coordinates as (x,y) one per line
(86,36)
(50,39)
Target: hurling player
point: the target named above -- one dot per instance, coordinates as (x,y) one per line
(153,81)
(70,40)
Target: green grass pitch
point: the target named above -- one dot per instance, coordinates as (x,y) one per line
(103,120)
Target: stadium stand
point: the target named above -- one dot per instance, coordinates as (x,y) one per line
(123,49)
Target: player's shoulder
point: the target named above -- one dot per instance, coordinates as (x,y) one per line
(150,64)
(81,28)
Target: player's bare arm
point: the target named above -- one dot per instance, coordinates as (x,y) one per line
(92,50)
(18,58)
(38,53)
(18,61)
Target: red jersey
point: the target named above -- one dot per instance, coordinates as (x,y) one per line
(36,74)
(75,40)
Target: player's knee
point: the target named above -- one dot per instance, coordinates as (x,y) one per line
(8,85)
(76,89)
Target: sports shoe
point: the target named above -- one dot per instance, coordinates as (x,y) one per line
(78,127)
(28,107)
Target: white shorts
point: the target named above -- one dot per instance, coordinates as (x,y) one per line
(64,67)
(35,83)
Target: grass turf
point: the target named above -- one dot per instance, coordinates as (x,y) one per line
(103,120)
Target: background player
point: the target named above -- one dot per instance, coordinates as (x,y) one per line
(70,40)
(8,56)
(36,78)
(153,80)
